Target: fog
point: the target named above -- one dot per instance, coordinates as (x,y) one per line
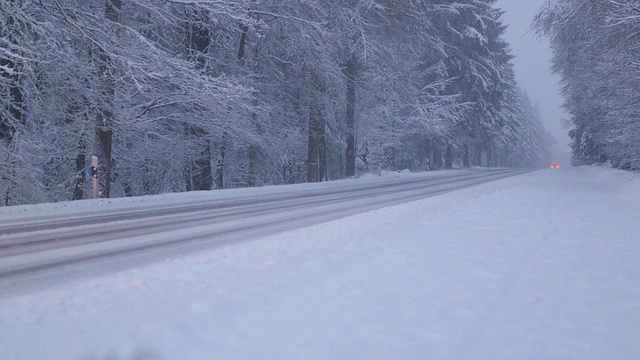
(532,65)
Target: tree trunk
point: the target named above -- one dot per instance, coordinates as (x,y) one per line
(491,162)
(243,41)
(350,118)
(466,157)
(220,164)
(253,147)
(252,178)
(16,97)
(102,150)
(128,189)
(198,172)
(16,113)
(252,153)
(322,148)
(449,157)
(437,158)
(241,61)
(127,179)
(81,158)
(313,151)
(203,179)
(104,118)
(188,179)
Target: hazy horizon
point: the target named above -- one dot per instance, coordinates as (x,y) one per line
(532,66)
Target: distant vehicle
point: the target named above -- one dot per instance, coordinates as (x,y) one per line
(555,166)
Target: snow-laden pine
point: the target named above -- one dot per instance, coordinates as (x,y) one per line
(177,96)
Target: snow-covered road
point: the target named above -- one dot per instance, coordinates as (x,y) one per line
(37,251)
(544,265)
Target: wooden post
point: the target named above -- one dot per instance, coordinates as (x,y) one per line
(94,176)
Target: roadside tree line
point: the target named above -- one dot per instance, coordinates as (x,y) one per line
(182,95)
(596,53)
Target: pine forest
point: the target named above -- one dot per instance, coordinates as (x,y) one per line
(186,95)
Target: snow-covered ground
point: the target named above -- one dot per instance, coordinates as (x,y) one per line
(540,266)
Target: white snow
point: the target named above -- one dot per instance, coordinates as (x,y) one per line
(540,266)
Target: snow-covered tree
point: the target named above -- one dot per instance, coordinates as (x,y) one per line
(596,47)
(179,95)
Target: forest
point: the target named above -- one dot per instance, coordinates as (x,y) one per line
(597,56)
(185,95)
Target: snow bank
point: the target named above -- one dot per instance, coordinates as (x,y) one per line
(628,181)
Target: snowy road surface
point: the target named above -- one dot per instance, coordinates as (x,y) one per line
(545,265)
(37,251)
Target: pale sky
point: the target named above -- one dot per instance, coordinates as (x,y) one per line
(532,63)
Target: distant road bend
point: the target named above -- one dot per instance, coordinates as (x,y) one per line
(49,250)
